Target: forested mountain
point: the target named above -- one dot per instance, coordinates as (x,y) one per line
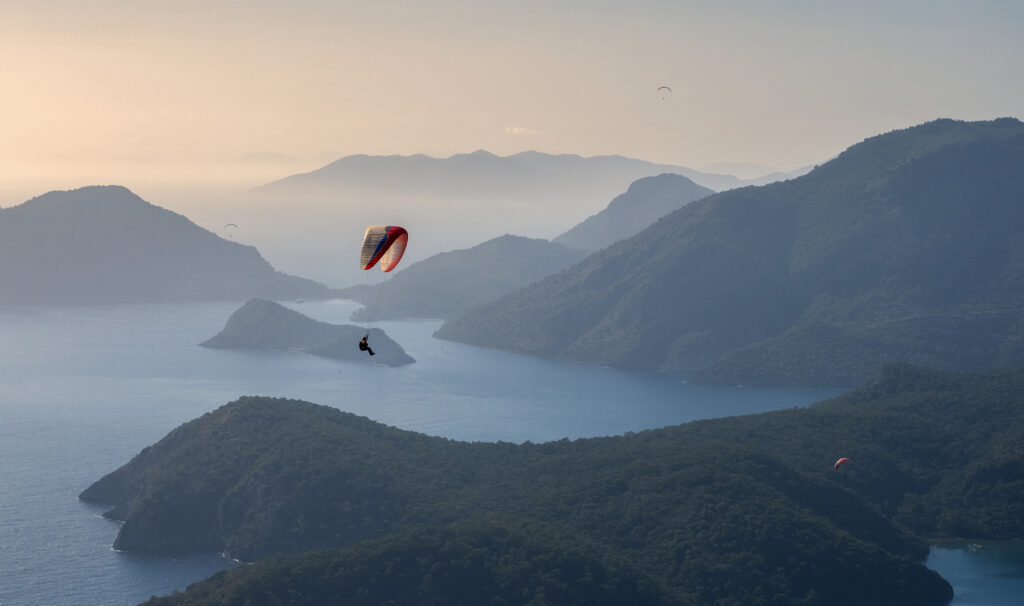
(451,283)
(906,247)
(261,324)
(646,201)
(100,245)
(707,510)
(457,565)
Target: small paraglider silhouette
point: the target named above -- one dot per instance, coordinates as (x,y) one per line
(227,225)
(840,462)
(664,91)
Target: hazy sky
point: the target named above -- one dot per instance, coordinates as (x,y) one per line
(202,93)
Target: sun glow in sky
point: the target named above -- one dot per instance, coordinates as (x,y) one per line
(232,94)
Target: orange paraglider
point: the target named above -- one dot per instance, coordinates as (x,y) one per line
(840,462)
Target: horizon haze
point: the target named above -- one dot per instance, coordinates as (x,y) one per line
(188,103)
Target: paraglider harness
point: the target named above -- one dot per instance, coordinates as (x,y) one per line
(364,346)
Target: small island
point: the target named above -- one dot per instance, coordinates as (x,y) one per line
(266,325)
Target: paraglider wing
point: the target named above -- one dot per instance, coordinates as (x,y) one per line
(840,462)
(226,225)
(384,244)
(399,238)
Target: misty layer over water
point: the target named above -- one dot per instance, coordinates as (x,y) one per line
(83,390)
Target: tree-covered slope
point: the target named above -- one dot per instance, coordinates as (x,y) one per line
(462,564)
(262,324)
(646,201)
(746,509)
(101,245)
(451,283)
(906,247)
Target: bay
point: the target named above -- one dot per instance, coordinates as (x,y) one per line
(82,390)
(983,573)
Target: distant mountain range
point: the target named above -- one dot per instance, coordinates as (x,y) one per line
(446,203)
(451,283)
(907,246)
(487,173)
(104,244)
(646,201)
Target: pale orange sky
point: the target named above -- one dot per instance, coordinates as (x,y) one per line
(196,95)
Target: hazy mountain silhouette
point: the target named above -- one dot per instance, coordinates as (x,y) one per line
(754,174)
(451,283)
(906,246)
(446,203)
(646,201)
(482,172)
(104,244)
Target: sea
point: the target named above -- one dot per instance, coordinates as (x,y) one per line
(84,389)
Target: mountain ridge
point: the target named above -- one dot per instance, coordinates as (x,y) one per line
(483,196)
(815,280)
(453,282)
(104,244)
(644,202)
(707,508)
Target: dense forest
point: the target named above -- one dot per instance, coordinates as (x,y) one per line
(743,510)
(904,248)
(485,563)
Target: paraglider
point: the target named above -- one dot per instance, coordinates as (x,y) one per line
(364,346)
(840,462)
(384,244)
(664,91)
(227,225)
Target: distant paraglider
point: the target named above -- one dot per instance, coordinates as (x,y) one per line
(664,91)
(227,225)
(384,244)
(840,462)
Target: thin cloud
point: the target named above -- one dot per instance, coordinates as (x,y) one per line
(520,130)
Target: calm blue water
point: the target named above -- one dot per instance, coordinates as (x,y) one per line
(983,573)
(83,390)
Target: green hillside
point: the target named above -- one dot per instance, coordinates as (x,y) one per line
(708,510)
(906,247)
(461,564)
